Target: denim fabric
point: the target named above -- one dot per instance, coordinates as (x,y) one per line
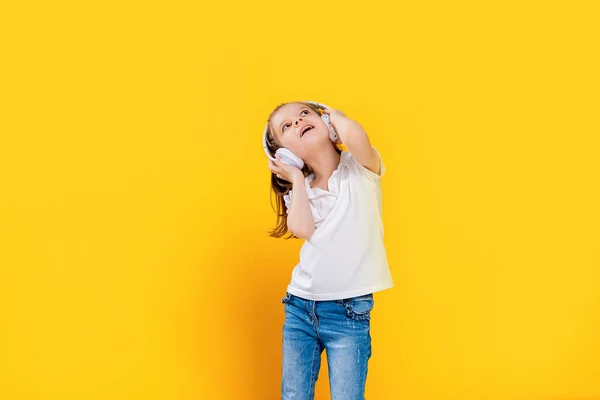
(342,328)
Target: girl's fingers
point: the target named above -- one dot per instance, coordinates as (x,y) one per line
(274,168)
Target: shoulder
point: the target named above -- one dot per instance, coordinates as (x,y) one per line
(360,170)
(288,196)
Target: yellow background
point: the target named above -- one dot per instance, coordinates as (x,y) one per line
(134,204)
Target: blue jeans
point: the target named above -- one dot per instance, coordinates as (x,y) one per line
(341,327)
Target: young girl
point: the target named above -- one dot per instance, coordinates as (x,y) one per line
(334,204)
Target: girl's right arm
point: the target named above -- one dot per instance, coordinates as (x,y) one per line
(300,220)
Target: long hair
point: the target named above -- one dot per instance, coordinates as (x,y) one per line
(279,186)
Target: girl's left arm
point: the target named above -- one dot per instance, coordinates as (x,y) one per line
(355,138)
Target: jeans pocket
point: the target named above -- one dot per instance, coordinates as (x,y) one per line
(359,308)
(287,298)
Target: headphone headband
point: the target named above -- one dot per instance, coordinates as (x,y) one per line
(266,147)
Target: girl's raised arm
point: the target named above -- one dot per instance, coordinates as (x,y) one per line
(300,220)
(355,138)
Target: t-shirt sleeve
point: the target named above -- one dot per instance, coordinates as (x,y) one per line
(367,173)
(287,198)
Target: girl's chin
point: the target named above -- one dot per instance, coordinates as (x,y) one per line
(313,136)
(315,145)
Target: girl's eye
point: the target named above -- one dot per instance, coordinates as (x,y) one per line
(304,111)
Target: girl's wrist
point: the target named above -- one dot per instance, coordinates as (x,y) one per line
(298,178)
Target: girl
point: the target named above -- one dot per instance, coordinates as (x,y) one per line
(334,204)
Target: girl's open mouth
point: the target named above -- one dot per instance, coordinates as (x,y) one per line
(306,129)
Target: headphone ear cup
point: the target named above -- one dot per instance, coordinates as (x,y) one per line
(332,135)
(289,158)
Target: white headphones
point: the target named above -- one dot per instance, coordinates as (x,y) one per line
(286,156)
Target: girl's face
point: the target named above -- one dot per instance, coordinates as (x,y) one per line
(298,128)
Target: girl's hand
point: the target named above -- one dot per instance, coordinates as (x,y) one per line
(284,171)
(333,113)
(337,119)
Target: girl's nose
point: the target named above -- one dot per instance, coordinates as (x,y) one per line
(298,121)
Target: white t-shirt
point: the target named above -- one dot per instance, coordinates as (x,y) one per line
(345,257)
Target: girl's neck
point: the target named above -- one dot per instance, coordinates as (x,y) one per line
(323,164)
